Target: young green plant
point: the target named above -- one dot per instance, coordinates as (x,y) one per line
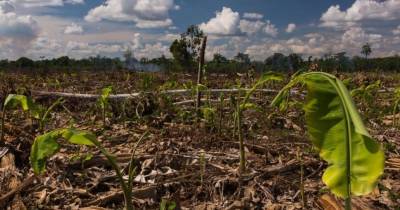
(246,105)
(46,145)
(104,102)
(366,94)
(12,101)
(355,160)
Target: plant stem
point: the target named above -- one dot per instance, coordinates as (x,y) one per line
(104,116)
(242,166)
(221,111)
(131,168)
(348,157)
(127,191)
(43,119)
(303,198)
(347,202)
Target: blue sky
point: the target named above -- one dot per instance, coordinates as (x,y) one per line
(82,28)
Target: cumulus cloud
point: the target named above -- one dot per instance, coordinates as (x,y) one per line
(228,23)
(260,51)
(357,36)
(154,23)
(396,31)
(251,27)
(224,23)
(253,15)
(41,3)
(149,50)
(361,10)
(145,13)
(291,27)
(52,48)
(73,28)
(270,29)
(17,31)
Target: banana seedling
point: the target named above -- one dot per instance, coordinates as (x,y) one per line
(36,111)
(103,102)
(46,145)
(13,101)
(355,160)
(366,93)
(242,105)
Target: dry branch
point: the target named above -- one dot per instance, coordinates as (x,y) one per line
(137,94)
(26,183)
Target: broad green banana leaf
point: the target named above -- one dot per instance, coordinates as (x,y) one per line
(46,145)
(355,160)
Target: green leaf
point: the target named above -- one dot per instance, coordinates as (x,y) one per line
(105,94)
(167,205)
(26,103)
(250,106)
(43,147)
(46,145)
(78,137)
(355,160)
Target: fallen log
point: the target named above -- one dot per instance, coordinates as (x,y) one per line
(137,94)
(170,92)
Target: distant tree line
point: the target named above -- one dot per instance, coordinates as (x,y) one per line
(184,59)
(63,63)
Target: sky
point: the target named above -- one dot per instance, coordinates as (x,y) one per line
(81,28)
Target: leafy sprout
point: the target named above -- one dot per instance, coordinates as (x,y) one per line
(245,105)
(104,102)
(13,101)
(355,160)
(46,145)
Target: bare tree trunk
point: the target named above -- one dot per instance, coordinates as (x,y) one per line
(200,72)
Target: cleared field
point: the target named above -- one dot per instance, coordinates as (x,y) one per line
(185,157)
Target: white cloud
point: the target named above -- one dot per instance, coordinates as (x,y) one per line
(396,31)
(270,29)
(73,29)
(42,3)
(359,11)
(169,37)
(15,30)
(291,27)
(154,23)
(145,13)
(253,15)
(6,7)
(357,37)
(225,22)
(52,48)
(251,27)
(137,41)
(153,51)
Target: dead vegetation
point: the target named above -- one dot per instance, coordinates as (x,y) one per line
(185,162)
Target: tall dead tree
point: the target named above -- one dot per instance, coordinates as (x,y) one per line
(200,72)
